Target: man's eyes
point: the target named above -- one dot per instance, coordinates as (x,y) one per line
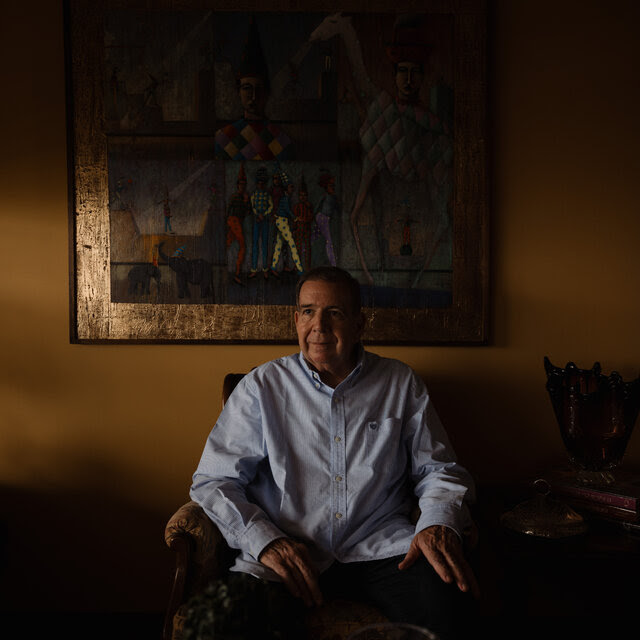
(334,313)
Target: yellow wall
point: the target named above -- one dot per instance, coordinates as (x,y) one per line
(107,437)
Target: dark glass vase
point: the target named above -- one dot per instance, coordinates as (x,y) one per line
(596,415)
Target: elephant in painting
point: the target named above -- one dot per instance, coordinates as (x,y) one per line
(190,271)
(140,275)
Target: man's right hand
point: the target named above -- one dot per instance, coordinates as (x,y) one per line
(291,561)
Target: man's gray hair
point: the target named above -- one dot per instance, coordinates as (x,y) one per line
(335,275)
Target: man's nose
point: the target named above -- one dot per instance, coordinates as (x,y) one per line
(320,322)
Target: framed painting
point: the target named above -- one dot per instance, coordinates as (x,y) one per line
(217,151)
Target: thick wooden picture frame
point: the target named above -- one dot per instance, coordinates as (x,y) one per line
(155,146)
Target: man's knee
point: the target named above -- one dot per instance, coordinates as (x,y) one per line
(419,596)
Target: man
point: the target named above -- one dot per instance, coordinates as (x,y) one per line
(308,468)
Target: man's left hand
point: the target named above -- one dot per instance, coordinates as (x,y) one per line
(441,547)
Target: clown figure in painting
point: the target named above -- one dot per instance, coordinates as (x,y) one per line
(237,210)
(253,137)
(327,208)
(261,210)
(406,148)
(303,217)
(284,236)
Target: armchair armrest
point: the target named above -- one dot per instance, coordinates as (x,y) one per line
(191,522)
(201,555)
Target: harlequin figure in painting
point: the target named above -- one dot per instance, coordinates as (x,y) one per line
(327,208)
(277,191)
(284,236)
(166,212)
(239,207)
(261,210)
(253,137)
(402,139)
(302,219)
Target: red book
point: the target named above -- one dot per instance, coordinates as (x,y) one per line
(624,493)
(608,511)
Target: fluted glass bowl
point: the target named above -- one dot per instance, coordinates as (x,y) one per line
(596,415)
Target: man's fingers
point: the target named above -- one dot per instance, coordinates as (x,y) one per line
(309,581)
(461,570)
(310,574)
(464,576)
(442,549)
(292,563)
(297,585)
(439,563)
(471,581)
(293,581)
(412,555)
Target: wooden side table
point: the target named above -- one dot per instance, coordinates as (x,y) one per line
(582,586)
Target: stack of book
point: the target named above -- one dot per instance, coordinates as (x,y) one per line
(619,501)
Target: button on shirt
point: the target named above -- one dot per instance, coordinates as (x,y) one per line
(333,468)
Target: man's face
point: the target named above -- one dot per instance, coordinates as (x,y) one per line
(409,76)
(253,96)
(242,185)
(328,328)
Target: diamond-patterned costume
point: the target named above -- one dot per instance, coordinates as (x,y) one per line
(407,139)
(252,140)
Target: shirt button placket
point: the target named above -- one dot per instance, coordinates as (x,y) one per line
(338,466)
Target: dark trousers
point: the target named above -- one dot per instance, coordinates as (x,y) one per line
(416,595)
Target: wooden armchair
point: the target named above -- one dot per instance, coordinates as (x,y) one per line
(203,555)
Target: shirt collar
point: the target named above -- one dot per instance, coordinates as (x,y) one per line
(349,381)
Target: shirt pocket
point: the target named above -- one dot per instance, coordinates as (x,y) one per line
(382,440)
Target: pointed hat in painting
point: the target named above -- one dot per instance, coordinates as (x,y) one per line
(408,40)
(252,62)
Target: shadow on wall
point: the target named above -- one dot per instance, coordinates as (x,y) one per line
(498,440)
(66,551)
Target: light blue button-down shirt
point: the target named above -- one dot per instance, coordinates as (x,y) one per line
(334,468)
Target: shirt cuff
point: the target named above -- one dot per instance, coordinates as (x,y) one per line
(447,515)
(259,535)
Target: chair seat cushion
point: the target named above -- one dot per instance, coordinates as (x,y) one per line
(337,619)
